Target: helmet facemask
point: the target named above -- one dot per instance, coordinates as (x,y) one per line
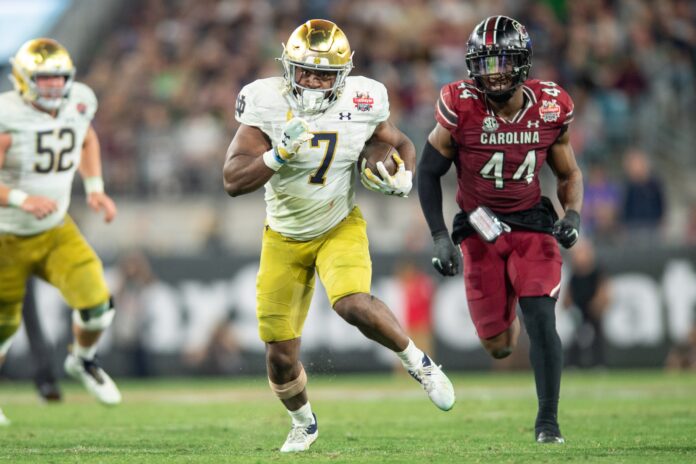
(321,47)
(499,73)
(48,98)
(314,100)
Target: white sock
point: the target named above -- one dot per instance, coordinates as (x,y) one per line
(411,357)
(85,352)
(302,416)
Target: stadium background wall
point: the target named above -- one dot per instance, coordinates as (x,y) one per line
(169,332)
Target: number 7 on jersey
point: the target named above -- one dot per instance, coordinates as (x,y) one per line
(318,177)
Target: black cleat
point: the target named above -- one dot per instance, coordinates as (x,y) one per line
(547,436)
(49,391)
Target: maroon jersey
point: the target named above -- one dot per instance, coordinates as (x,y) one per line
(498,161)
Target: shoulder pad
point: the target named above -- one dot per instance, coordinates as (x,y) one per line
(83,97)
(254,100)
(453,100)
(6,109)
(368,97)
(555,105)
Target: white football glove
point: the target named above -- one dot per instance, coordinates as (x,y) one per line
(399,184)
(295,133)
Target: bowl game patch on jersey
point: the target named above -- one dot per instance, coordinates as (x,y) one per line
(549,111)
(363,101)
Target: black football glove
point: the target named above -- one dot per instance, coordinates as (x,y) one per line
(567,230)
(447,257)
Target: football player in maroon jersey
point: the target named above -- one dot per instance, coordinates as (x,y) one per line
(498,128)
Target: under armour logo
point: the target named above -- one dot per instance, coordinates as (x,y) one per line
(531,124)
(241,104)
(343,115)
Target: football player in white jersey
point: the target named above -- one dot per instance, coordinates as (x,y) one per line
(45,136)
(300,137)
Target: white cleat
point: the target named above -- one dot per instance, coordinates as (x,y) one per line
(435,383)
(96,381)
(300,438)
(4,421)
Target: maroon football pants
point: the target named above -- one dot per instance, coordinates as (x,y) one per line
(518,264)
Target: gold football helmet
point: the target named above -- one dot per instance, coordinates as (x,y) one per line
(42,57)
(317,45)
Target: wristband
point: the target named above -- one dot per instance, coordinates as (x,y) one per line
(94,184)
(273,160)
(16,198)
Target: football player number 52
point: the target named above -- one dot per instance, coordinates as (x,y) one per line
(318,177)
(493,169)
(51,148)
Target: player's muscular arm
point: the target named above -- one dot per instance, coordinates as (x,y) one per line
(569,177)
(38,206)
(245,170)
(91,172)
(90,163)
(441,139)
(388,133)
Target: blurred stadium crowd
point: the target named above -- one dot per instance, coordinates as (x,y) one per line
(167,73)
(629,65)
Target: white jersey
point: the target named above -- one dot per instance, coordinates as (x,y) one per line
(315,190)
(44,155)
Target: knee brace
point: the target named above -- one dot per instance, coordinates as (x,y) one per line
(96,318)
(292,388)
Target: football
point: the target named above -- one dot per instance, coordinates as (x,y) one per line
(373,153)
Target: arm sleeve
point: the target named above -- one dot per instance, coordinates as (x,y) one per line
(431,168)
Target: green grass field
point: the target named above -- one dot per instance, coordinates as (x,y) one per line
(606,417)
